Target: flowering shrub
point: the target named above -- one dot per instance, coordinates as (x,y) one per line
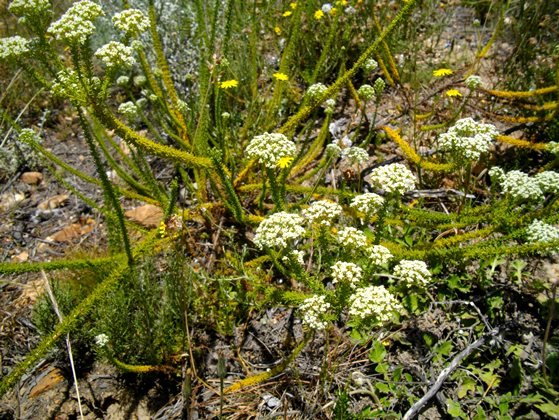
(394,178)
(467,139)
(269,148)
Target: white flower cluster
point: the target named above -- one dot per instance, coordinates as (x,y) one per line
(278,230)
(122,80)
(333,150)
(28,7)
(370,65)
(553,147)
(131,21)
(269,148)
(329,105)
(395,178)
(539,231)
(548,181)
(313,310)
(413,272)
(473,82)
(373,302)
(314,92)
(115,54)
(346,272)
(76,25)
(102,340)
(368,203)
(379,86)
(68,85)
(322,212)
(380,255)
(355,155)
(351,238)
(366,92)
(468,139)
(128,109)
(519,185)
(13,47)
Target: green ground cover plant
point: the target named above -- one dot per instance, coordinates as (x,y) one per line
(318,158)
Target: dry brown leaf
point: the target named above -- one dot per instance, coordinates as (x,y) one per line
(21,257)
(53,202)
(73,231)
(148,215)
(31,178)
(48,381)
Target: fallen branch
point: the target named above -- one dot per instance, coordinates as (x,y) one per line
(445,373)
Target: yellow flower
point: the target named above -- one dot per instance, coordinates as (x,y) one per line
(442,72)
(277,30)
(333,11)
(284,162)
(288,13)
(226,84)
(342,3)
(453,93)
(281,77)
(319,14)
(293,5)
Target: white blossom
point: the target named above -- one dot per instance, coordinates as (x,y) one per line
(539,231)
(368,203)
(116,54)
(131,21)
(370,65)
(468,139)
(548,181)
(102,340)
(346,272)
(413,272)
(76,25)
(313,312)
(269,148)
(128,109)
(322,212)
(13,47)
(473,82)
(366,92)
(314,92)
(374,302)
(355,154)
(395,178)
(279,230)
(380,255)
(520,186)
(28,8)
(351,238)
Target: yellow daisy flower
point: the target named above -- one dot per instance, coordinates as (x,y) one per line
(319,14)
(281,76)
(277,30)
(293,5)
(442,72)
(288,13)
(451,93)
(284,162)
(226,84)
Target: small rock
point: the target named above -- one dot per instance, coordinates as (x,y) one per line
(53,202)
(31,178)
(148,215)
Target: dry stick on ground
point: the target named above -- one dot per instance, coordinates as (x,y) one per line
(445,373)
(68,344)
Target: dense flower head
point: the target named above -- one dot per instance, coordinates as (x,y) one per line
(346,272)
(374,302)
(355,155)
(269,148)
(395,178)
(539,231)
(322,212)
(553,147)
(122,80)
(13,47)
(28,7)
(366,92)
(76,25)
(379,86)
(519,185)
(548,181)
(473,82)
(67,85)
(128,109)
(370,65)
(313,312)
(279,230)
(102,340)
(329,105)
(380,255)
(351,238)
(468,139)
(131,21)
(314,92)
(115,54)
(333,150)
(368,203)
(413,272)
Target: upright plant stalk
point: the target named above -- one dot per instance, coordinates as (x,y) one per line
(107,186)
